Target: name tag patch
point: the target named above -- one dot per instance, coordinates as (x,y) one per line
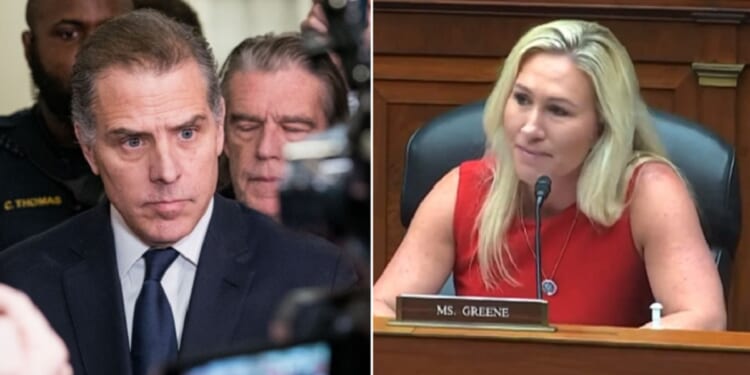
(33,202)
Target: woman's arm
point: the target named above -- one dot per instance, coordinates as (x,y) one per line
(424,259)
(681,271)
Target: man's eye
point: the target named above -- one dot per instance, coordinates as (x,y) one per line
(68,34)
(296,129)
(248,127)
(187,133)
(133,142)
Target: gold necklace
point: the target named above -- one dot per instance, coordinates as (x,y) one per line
(549,286)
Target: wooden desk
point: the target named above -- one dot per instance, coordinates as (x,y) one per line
(571,350)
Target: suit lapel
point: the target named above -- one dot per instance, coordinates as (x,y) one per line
(221,283)
(94,299)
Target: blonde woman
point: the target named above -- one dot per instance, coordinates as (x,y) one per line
(620,228)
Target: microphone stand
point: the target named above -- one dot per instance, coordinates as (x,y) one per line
(538,245)
(542,188)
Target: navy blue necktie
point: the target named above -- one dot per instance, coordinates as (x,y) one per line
(154,338)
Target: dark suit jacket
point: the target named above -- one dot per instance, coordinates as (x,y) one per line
(247,265)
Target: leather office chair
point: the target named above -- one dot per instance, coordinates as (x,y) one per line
(707,162)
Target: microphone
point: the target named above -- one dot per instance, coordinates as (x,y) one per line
(541,190)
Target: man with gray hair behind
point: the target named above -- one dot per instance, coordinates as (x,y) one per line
(165,266)
(276,92)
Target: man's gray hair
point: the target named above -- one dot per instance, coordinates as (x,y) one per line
(140,40)
(271,53)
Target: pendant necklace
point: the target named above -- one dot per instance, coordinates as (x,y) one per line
(549,286)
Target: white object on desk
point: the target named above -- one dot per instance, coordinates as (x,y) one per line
(656,309)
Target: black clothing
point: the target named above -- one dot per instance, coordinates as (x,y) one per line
(248,266)
(41,182)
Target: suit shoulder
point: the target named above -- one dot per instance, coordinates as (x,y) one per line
(10,125)
(13,120)
(290,258)
(284,242)
(24,258)
(45,246)
(288,239)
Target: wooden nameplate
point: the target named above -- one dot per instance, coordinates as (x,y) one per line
(472,312)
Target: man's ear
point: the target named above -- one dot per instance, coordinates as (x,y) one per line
(26,38)
(87,146)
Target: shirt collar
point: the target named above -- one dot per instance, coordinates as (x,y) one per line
(129,248)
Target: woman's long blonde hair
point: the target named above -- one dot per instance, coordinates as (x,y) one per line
(627,136)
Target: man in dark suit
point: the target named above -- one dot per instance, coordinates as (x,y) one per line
(164,267)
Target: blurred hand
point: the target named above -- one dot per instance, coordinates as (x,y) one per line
(28,345)
(317,22)
(316,19)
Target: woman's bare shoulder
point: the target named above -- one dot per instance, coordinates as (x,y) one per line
(654,178)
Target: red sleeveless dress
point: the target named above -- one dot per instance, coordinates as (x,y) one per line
(601,278)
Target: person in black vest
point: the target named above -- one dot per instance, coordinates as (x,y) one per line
(45,177)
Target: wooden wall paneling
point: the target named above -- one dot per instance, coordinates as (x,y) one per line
(743,47)
(431,92)
(659,99)
(669,87)
(686,93)
(717,108)
(408,105)
(739,306)
(418,82)
(718,43)
(380,176)
(663,42)
(461,26)
(432,69)
(447,34)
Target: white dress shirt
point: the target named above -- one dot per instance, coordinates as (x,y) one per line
(178,279)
